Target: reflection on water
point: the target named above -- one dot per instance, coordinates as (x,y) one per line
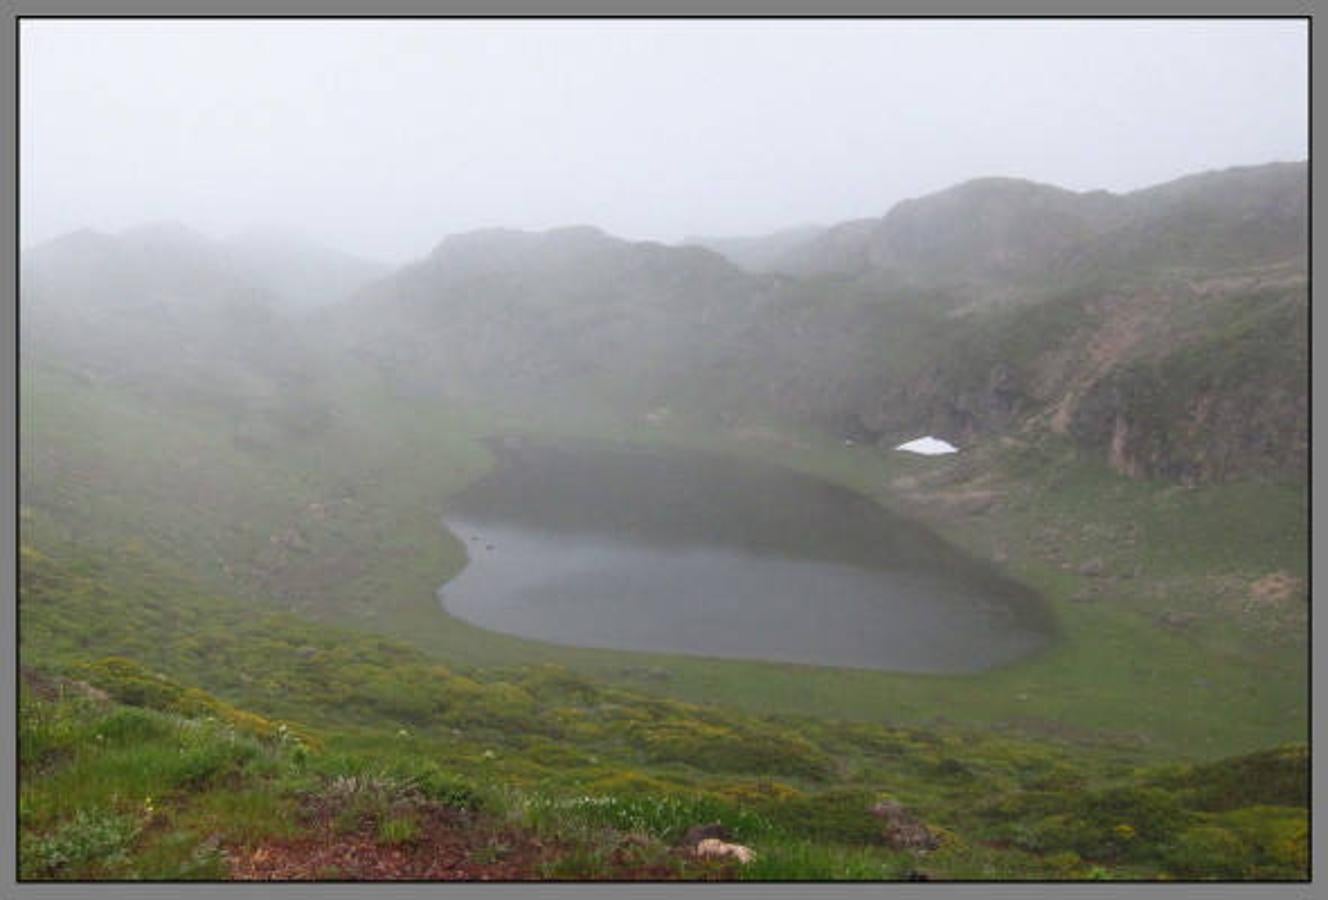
(684,552)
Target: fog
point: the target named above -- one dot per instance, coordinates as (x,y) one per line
(498,450)
(381,137)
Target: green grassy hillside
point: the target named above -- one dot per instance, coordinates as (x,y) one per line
(318,738)
(280,529)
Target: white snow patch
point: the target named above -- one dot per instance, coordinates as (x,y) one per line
(929,446)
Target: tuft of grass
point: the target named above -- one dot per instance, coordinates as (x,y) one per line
(664,817)
(246,816)
(585,862)
(786,859)
(398,830)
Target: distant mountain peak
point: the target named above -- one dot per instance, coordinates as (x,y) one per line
(578,232)
(1003,184)
(170,258)
(998,228)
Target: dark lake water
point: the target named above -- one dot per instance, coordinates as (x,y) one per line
(685,552)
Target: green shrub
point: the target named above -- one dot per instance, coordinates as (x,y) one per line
(48,730)
(210,763)
(93,841)
(499,705)
(1208,851)
(1277,839)
(725,748)
(840,817)
(1121,823)
(1059,778)
(1276,777)
(439,786)
(755,793)
(630,784)
(1022,806)
(130,725)
(130,683)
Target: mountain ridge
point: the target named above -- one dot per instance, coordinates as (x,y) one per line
(999,306)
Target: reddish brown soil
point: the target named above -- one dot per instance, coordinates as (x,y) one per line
(448,847)
(439,855)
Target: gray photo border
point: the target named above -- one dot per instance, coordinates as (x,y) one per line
(14,9)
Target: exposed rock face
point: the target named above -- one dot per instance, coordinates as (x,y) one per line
(1201,381)
(1230,400)
(934,402)
(1165,331)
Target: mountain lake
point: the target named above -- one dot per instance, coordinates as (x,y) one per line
(679,551)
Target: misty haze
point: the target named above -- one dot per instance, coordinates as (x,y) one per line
(665,450)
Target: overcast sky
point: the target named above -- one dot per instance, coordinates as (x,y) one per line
(382,137)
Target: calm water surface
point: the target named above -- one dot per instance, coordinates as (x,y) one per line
(685,552)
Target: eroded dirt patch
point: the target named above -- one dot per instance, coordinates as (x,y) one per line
(448,847)
(1275,588)
(452,846)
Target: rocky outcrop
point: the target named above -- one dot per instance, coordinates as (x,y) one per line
(1228,404)
(1197,381)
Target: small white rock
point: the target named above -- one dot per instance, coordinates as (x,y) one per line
(714,847)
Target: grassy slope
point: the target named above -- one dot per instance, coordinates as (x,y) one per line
(131,521)
(361,738)
(1232,681)
(1216,687)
